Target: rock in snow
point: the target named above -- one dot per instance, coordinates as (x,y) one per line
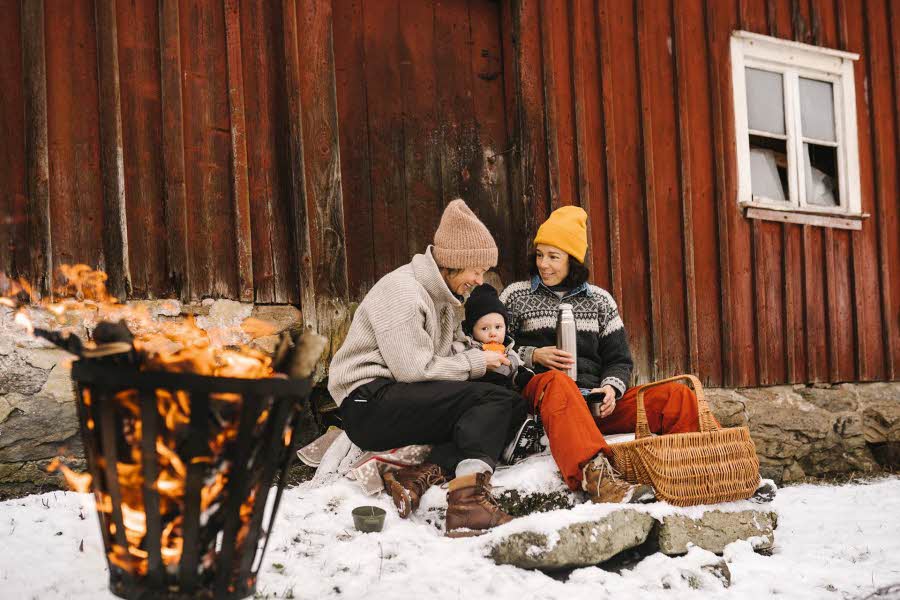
(592,542)
(716,529)
(577,545)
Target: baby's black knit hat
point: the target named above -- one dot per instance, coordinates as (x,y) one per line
(482,301)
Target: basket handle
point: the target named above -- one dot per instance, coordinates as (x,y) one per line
(707,421)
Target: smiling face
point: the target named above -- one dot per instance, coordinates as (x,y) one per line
(552,264)
(461,281)
(490,328)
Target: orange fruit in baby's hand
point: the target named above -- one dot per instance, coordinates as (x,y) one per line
(494,347)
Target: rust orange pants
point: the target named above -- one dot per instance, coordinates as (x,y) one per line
(576,437)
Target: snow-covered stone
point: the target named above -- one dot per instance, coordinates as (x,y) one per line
(577,545)
(715,529)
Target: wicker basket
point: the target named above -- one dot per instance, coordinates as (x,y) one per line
(709,466)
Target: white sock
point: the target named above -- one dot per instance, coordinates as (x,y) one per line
(470,466)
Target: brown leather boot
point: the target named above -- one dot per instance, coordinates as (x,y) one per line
(603,484)
(471,509)
(407,485)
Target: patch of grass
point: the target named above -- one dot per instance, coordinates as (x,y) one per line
(299,473)
(518,505)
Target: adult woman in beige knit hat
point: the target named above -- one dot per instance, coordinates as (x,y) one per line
(397,382)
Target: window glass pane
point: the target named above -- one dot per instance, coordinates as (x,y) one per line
(768,169)
(817,109)
(820,171)
(765,100)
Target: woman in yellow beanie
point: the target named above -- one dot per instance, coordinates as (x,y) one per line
(604,365)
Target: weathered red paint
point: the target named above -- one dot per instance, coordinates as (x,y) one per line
(275,275)
(14,254)
(138,29)
(307,147)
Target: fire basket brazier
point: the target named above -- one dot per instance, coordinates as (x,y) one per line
(182,466)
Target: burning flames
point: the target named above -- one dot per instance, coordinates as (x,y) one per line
(175,346)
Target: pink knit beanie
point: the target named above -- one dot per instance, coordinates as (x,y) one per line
(461,240)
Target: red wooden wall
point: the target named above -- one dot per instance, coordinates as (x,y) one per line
(296,150)
(626,110)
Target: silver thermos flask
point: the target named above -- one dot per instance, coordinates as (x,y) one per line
(565,336)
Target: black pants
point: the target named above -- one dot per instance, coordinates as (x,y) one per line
(461,419)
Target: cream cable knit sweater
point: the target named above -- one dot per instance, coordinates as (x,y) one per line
(403,330)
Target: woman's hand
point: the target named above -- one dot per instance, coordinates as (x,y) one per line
(609,399)
(494,360)
(552,357)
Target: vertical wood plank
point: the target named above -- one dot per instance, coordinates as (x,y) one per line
(14,250)
(299,210)
(36,153)
(608,92)
(73,135)
(551,121)
(142,148)
(869,343)
(679,23)
(177,251)
(734,235)
(634,303)
(696,148)
(532,140)
(510,31)
(207,136)
(589,136)
(115,232)
(884,152)
(661,200)
(558,102)
(894,254)
(490,168)
(355,143)
(322,160)
(386,135)
(420,116)
(268,154)
(645,101)
(240,185)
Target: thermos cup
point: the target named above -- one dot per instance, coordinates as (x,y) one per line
(565,336)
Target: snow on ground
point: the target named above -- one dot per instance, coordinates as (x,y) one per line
(831,542)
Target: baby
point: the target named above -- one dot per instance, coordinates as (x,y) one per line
(485,328)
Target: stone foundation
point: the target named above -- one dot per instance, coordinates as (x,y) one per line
(816,431)
(37,403)
(800,431)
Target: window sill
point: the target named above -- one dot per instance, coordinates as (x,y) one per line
(804,217)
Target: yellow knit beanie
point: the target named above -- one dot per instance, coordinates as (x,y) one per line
(565,228)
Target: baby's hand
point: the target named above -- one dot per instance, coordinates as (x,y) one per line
(494,347)
(494,360)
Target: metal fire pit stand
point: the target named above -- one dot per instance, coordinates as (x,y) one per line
(213,564)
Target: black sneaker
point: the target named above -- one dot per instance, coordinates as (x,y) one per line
(523,443)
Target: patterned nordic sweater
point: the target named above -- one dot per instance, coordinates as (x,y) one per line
(604,357)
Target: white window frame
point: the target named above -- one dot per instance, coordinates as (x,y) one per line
(794,60)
